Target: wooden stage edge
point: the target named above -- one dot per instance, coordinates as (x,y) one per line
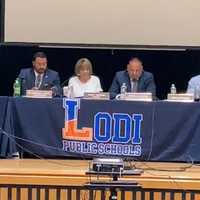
(72,172)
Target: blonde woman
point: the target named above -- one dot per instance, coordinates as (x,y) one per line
(83,81)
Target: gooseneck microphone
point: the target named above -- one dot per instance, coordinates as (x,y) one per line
(64,83)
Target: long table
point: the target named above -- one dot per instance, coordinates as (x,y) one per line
(169,131)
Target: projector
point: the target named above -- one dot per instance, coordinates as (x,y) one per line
(107,165)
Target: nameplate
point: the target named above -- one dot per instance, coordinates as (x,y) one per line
(139,96)
(97,95)
(39,93)
(183,97)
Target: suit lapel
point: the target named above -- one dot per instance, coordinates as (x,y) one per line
(127,81)
(45,80)
(140,83)
(32,79)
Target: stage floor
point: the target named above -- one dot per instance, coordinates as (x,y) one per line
(72,172)
(34,179)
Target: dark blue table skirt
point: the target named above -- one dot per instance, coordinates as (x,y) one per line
(169,131)
(7,144)
(38,125)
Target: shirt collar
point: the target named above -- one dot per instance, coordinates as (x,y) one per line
(36,74)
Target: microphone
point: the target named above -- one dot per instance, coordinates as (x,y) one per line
(55,89)
(47,86)
(21,77)
(64,83)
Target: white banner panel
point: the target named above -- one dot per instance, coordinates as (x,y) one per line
(120,22)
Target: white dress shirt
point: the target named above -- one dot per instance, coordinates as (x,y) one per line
(40,81)
(78,88)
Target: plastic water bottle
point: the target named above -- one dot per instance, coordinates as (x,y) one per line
(123,91)
(17,88)
(123,88)
(173,89)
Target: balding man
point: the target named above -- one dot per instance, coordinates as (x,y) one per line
(135,78)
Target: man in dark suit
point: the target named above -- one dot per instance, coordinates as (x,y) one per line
(40,77)
(135,79)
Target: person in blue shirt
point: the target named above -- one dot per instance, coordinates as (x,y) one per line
(194,86)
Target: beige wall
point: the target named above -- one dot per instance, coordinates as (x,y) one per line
(140,22)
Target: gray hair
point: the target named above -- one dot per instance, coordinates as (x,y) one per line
(83,62)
